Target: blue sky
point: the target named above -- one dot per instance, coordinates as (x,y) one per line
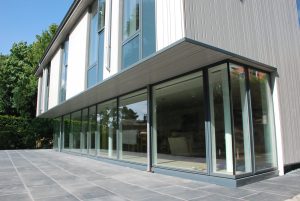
(22,20)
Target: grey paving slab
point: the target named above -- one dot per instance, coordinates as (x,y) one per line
(39,192)
(139,194)
(49,175)
(182,192)
(108,198)
(162,198)
(15,197)
(59,198)
(12,189)
(230,192)
(262,196)
(215,197)
(85,193)
(274,188)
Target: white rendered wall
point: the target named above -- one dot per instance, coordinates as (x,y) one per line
(76,75)
(54,79)
(169,22)
(266,31)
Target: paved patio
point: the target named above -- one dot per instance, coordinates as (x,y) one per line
(49,175)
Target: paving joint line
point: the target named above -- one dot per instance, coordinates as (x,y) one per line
(70,173)
(20,177)
(117,180)
(49,177)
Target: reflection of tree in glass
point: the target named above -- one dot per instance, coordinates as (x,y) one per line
(128,113)
(108,117)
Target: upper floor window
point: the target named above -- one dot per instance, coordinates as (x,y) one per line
(47,89)
(298,9)
(64,71)
(96,44)
(138,30)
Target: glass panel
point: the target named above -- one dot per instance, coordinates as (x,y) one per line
(66,131)
(149,35)
(84,131)
(92,130)
(130,52)
(179,124)
(92,77)
(132,138)
(75,131)
(56,134)
(93,36)
(221,133)
(101,10)
(262,120)
(240,119)
(130,17)
(64,68)
(47,89)
(101,56)
(106,140)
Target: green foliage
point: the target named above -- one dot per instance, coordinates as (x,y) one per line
(18,92)
(18,85)
(41,43)
(24,133)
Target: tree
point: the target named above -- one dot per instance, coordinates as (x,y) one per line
(41,43)
(10,73)
(18,84)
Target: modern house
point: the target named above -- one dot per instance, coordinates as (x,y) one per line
(205,89)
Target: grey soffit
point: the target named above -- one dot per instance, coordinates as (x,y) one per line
(181,57)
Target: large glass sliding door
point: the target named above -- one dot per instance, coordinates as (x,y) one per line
(56,134)
(241,123)
(228,133)
(66,131)
(179,124)
(75,131)
(221,132)
(84,131)
(106,129)
(93,132)
(132,138)
(262,120)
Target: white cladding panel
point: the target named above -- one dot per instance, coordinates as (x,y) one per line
(112,38)
(169,22)
(54,79)
(266,31)
(76,77)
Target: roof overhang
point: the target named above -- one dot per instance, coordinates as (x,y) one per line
(181,57)
(77,9)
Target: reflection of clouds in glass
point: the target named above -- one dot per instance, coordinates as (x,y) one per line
(139,108)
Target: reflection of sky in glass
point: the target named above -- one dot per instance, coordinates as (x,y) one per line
(140,108)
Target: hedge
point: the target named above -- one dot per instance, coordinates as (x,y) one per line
(25,133)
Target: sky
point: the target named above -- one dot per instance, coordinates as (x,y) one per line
(22,20)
